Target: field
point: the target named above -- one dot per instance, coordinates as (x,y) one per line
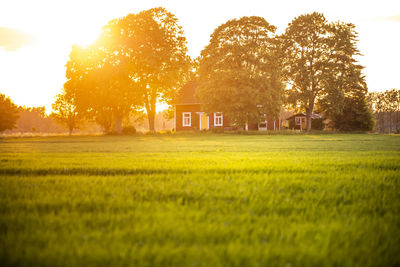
(200,200)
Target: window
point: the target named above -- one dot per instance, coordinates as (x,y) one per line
(298,120)
(187,119)
(218,119)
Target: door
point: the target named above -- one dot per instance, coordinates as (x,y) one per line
(204,122)
(303,123)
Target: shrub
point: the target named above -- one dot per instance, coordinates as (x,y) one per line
(317,124)
(127,130)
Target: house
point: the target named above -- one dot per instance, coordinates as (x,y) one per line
(189,115)
(298,121)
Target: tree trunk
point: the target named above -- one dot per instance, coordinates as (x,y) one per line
(308,121)
(150,105)
(309,112)
(70,129)
(118,124)
(152,112)
(151,116)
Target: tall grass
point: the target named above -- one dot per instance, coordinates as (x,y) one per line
(200,200)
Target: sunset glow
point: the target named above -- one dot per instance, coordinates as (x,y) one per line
(33,71)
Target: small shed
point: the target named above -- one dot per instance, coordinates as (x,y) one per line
(298,121)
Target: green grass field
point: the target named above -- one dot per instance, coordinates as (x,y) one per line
(200,200)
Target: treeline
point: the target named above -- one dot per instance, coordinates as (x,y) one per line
(23,119)
(34,120)
(247,71)
(386,107)
(29,120)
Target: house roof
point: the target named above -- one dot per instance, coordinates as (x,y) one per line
(303,114)
(187,94)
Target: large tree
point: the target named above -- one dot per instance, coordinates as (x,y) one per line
(239,71)
(8,113)
(100,85)
(158,59)
(139,60)
(319,63)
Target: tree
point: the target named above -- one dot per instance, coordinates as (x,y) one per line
(8,113)
(138,60)
(319,64)
(65,111)
(392,98)
(386,106)
(157,52)
(99,83)
(34,119)
(355,116)
(239,71)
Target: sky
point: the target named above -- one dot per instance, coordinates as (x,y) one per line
(36,36)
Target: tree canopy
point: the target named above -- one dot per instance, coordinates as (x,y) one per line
(65,111)
(8,113)
(159,62)
(100,86)
(319,64)
(139,60)
(239,71)
(386,106)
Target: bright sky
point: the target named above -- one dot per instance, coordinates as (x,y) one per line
(36,36)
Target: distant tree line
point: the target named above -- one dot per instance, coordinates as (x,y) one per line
(386,107)
(8,113)
(247,72)
(25,119)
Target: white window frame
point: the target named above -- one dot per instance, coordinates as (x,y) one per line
(187,123)
(218,117)
(297,120)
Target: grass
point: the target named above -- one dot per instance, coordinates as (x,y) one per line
(200,200)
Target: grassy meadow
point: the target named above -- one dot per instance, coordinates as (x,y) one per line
(200,200)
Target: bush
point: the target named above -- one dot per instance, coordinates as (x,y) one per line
(217,130)
(127,130)
(317,124)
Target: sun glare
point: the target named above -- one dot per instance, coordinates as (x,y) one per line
(86,37)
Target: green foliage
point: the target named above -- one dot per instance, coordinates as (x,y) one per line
(203,200)
(239,71)
(138,60)
(128,130)
(386,106)
(35,119)
(98,83)
(319,64)
(317,124)
(356,115)
(8,113)
(156,47)
(65,112)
